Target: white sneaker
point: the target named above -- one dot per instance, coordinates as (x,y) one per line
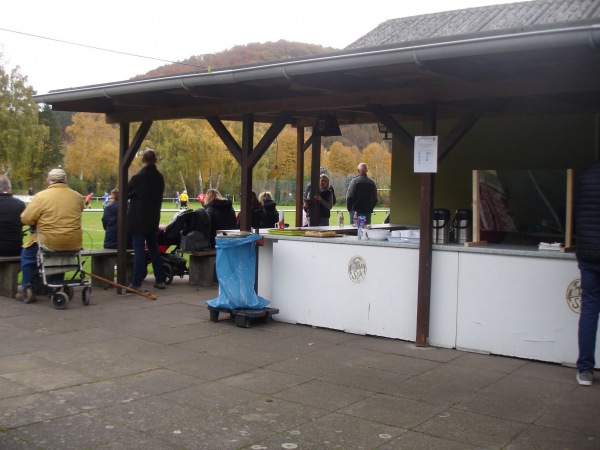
(585,378)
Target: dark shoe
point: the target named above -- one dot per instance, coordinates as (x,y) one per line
(585,378)
(160,285)
(137,288)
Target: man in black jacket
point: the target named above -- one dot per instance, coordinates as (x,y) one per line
(145,195)
(587,223)
(11,228)
(362,194)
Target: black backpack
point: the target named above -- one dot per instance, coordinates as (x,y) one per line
(195,235)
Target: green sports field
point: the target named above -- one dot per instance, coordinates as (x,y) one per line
(93,233)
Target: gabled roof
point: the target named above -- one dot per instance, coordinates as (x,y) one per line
(555,69)
(482,21)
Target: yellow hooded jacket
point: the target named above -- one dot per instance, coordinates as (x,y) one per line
(56,215)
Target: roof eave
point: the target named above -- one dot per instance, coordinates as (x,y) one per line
(588,35)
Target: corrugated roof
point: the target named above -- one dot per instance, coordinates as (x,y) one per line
(482,21)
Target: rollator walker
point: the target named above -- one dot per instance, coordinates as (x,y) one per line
(51,265)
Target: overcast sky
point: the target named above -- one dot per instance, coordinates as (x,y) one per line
(175,30)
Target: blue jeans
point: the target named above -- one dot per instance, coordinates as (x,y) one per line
(139,258)
(588,321)
(28,265)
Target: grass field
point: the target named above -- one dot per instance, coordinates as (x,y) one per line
(93,233)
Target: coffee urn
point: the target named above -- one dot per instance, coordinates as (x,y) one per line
(463,226)
(441,226)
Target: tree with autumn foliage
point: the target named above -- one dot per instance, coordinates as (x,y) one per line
(342,159)
(21,134)
(192,156)
(379,160)
(92,155)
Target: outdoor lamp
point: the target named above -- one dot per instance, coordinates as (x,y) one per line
(327,125)
(384,130)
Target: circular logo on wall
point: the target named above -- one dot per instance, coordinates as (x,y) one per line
(357,269)
(574,296)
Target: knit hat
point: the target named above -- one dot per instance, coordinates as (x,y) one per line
(57,176)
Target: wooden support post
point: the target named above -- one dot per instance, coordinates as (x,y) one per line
(122,206)
(299,174)
(425,246)
(127,152)
(246,175)
(315,171)
(569,213)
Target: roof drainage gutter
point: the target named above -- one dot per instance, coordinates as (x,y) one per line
(587,36)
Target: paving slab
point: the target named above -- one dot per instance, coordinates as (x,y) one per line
(127,372)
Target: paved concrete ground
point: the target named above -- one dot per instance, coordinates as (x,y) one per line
(130,373)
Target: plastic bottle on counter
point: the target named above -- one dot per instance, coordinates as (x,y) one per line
(355,221)
(360,224)
(340,218)
(281,221)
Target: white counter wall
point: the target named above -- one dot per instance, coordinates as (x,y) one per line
(505,300)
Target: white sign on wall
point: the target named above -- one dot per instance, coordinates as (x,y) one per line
(426,154)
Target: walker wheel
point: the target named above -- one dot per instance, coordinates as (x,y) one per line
(69,291)
(85,295)
(60,300)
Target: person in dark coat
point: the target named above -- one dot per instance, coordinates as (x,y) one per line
(222,214)
(109,221)
(11,228)
(257,214)
(361,196)
(145,194)
(271,217)
(587,232)
(325,197)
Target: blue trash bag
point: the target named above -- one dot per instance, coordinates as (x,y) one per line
(236,269)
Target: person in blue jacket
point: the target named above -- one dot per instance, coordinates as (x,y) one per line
(109,221)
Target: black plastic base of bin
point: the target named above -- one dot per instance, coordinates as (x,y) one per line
(243,316)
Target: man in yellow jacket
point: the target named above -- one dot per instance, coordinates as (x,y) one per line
(183,199)
(55,214)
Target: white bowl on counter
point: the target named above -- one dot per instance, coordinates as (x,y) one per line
(378,235)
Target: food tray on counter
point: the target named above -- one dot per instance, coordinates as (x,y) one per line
(321,233)
(288,231)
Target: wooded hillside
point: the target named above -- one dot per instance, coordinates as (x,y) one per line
(240,55)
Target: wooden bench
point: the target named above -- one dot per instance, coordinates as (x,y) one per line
(103,265)
(104,261)
(10,266)
(202,267)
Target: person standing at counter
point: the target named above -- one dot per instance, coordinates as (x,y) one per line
(362,194)
(587,225)
(325,197)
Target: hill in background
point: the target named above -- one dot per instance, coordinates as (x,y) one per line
(240,55)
